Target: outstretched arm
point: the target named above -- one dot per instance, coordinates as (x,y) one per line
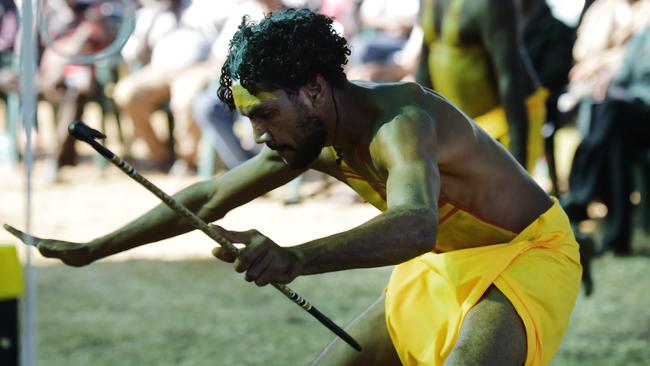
(407,149)
(210,200)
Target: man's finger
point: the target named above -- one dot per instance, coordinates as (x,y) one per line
(259,267)
(249,255)
(24,237)
(46,252)
(239,266)
(263,280)
(223,254)
(234,236)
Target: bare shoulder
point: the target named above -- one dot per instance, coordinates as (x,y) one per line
(407,121)
(407,133)
(418,119)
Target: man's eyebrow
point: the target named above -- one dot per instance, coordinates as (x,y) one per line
(256,110)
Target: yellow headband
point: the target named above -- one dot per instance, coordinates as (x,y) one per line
(245,100)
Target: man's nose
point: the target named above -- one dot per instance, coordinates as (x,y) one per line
(262,137)
(260,134)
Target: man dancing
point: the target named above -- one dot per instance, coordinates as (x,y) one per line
(487,268)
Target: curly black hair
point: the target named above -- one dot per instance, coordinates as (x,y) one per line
(284,51)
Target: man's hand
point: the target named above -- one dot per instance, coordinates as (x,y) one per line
(72,254)
(262,259)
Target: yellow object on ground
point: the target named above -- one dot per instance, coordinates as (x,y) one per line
(11,273)
(538,270)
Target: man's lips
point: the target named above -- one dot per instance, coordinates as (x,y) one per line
(280,148)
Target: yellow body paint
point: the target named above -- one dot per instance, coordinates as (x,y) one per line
(244,100)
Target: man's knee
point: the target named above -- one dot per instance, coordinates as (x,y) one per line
(492,334)
(131,92)
(123,92)
(496,352)
(369,329)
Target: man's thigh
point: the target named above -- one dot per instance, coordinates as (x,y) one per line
(147,85)
(492,333)
(369,329)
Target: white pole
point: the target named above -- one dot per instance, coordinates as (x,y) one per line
(28,335)
(28,102)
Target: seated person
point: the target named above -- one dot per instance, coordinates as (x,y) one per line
(384,29)
(215,120)
(66,83)
(604,159)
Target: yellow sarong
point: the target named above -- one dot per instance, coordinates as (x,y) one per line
(539,271)
(495,124)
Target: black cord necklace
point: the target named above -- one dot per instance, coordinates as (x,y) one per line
(337,149)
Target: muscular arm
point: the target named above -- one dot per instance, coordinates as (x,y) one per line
(408,227)
(501,37)
(210,200)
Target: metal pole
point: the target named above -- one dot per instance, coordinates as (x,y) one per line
(28,329)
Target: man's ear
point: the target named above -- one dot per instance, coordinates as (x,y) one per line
(316,90)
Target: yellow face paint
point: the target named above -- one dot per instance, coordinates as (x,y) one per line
(244,100)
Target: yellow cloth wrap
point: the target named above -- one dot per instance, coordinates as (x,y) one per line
(539,271)
(453,234)
(11,273)
(244,100)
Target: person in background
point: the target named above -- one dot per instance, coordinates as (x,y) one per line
(65,83)
(8,30)
(147,88)
(385,29)
(215,120)
(473,54)
(599,51)
(618,132)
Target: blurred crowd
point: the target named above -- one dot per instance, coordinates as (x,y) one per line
(515,68)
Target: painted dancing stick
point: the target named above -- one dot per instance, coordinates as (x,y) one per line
(82,132)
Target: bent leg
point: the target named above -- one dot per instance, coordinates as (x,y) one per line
(492,333)
(184,89)
(138,95)
(369,329)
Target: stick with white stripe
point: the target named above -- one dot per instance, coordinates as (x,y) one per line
(84,133)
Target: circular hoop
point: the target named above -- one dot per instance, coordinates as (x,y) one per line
(124,31)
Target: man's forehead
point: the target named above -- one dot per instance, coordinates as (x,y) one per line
(245,101)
